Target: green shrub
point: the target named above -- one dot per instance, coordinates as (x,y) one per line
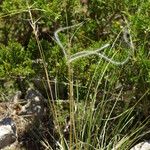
(14,61)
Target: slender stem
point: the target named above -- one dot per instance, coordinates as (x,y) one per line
(70,102)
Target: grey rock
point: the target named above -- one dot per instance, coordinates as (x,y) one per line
(34,103)
(8,134)
(142,146)
(32,94)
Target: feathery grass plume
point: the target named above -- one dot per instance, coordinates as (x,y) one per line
(57,37)
(97,51)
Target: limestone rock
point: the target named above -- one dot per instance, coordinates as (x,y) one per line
(34,103)
(142,146)
(8,133)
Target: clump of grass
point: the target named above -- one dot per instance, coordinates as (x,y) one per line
(93,123)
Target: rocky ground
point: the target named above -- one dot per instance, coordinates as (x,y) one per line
(25,115)
(20,119)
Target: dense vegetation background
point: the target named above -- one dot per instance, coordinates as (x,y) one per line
(93,77)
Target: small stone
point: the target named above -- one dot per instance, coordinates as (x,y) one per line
(8,133)
(142,146)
